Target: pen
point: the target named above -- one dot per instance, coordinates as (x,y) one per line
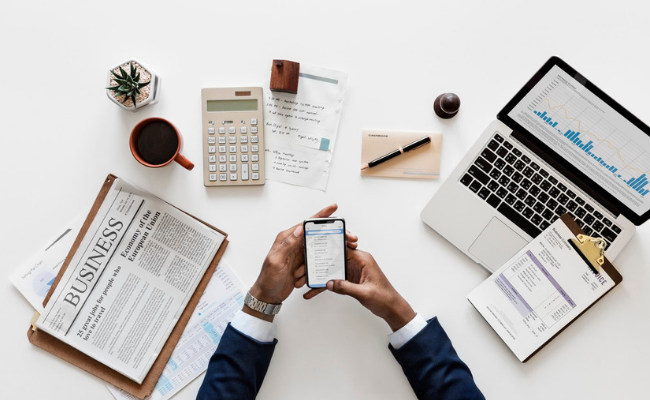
(395,153)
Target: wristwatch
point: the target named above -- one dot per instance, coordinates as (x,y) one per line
(259,305)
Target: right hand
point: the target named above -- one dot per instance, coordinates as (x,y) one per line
(368,284)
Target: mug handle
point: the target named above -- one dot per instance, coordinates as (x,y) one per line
(184,162)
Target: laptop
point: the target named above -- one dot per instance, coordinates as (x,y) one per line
(561,145)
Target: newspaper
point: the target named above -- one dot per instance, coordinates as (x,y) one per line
(218,305)
(131,278)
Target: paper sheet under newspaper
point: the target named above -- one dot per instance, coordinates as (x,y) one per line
(131,278)
(219,303)
(34,278)
(300,129)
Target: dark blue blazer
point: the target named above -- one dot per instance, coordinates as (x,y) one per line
(431,365)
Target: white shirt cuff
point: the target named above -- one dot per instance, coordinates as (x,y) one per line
(258,329)
(399,338)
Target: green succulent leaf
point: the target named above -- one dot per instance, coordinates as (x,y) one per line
(128,85)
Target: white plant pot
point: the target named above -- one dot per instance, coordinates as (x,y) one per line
(153,88)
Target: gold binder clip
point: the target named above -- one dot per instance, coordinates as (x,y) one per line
(591,249)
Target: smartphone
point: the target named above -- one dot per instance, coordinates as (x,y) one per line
(325,250)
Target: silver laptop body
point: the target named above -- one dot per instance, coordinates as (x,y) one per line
(513,183)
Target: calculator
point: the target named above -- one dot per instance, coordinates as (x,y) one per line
(233,136)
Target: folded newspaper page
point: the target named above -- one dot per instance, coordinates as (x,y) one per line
(130,280)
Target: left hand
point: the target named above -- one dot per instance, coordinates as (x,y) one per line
(284,267)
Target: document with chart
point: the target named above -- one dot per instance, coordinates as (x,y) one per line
(541,290)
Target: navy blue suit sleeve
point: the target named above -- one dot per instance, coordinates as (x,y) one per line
(433,368)
(237,368)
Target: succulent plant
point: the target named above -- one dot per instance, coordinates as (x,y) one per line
(128,85)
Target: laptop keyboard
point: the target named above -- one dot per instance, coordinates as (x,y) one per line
(529,195)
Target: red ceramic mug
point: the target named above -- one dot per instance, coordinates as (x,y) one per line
(155,142)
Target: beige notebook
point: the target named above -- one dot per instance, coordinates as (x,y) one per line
(420,163)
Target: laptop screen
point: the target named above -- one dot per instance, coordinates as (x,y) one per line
(590,132)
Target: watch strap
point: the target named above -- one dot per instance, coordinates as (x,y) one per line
(260,306)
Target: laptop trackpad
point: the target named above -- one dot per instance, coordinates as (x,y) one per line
(496,244)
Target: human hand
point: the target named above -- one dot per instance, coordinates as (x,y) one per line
(368,284)
(284,268)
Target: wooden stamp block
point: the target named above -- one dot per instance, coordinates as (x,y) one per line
(284,76)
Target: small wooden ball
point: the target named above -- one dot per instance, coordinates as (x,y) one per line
(446,105)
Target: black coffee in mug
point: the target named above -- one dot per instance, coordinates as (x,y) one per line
(157,142)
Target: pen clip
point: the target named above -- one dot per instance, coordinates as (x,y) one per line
(418,146)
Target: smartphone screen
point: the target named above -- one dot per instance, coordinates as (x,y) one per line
(324,251)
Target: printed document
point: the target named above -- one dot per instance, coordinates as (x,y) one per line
(130,280)
(300,129)
(539,291)
(219,303)
(35,277)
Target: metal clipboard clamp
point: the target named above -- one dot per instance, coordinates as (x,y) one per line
(592,250)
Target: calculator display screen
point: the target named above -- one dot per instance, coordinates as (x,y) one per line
(232,105)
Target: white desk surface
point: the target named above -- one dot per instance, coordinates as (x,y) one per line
(61,136)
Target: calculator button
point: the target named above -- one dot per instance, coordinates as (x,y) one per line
(244,139)
(243,129)
(232,139)
(255,176)
(212,168)
(255,148)
(233,149)
(213,177)
(255,167)
(233,167)
(232,130)
(254,139)
(222,140)
(212,159)
(212,140)
(212,149)
(233,158)
(244,148)
(244,172)
(255,157)
(223,177)
(222,149)
(222,130)
(222,168)
(253,129)
(211,130)
(233,177)
(244,158)
(253,121)
(222,158)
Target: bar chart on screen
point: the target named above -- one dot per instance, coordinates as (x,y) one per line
(589,134)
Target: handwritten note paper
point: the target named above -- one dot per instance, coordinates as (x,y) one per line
(300,129)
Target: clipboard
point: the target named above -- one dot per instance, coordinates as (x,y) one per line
(606,266)
(68,353)
(421,163)
(526,301)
